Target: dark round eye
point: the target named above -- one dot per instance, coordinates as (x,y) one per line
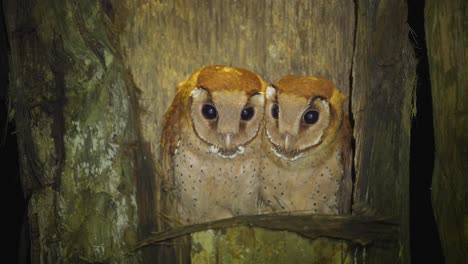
(311,117)
(274,111)
(247,113)
(209,111)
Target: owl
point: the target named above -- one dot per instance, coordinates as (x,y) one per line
(307,148)
(210,144)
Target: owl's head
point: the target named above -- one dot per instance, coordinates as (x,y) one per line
(226,107)
(302,115)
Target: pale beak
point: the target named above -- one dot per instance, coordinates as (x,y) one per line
(228,139)
(287,142)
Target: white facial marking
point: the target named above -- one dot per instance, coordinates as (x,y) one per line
(196,92)
(215,150)
(324,103)
(240,149)
(270,92)
(298,156)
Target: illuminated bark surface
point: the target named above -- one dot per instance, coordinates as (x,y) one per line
(91,81)
(447,45)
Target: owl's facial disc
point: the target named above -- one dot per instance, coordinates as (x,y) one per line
(226,120)
(294,125)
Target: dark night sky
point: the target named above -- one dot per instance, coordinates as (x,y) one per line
(425,244)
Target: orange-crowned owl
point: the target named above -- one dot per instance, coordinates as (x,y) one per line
(211,144)
(307,148)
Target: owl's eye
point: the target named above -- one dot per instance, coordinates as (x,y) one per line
(247,113)
(209,111)
(274,111)
(310,117)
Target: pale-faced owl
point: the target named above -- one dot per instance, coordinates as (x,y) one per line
(211,144)
(307,148)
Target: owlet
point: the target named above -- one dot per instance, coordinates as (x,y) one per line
(211,142)
(306,143)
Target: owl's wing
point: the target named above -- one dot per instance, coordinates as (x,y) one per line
(346,185)
(169,137)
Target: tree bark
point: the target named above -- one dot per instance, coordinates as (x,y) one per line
(77,132)
(92,80)
(383,85)
(447,42)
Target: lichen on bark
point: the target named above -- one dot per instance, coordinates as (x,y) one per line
(76,122)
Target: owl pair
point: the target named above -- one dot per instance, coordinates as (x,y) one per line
(233,146)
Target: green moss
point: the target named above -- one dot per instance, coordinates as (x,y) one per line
(203,247)
(50,19)
(41,131)
(97,208)
(257,245)
(97,213)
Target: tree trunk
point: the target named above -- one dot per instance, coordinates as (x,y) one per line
(92,80)
(447,43)
(77,131)
(383,84)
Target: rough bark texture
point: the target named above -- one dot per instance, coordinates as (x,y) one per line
(447,42)
(75,131)
(383,83)
(164,42)
(91,82)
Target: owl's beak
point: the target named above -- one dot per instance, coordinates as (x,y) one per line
(287,142)
(228,139)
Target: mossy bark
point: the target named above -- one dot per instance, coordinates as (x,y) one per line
(446,27)
(75,132)
(92,80)
(253,245)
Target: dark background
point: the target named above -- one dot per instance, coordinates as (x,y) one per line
(425,243)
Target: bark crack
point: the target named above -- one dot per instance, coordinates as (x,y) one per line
(59,64)
(350,102)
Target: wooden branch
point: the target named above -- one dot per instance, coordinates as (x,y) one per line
(358,229)
(362,230)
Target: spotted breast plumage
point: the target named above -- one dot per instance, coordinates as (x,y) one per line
(210,142)
(307,148)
